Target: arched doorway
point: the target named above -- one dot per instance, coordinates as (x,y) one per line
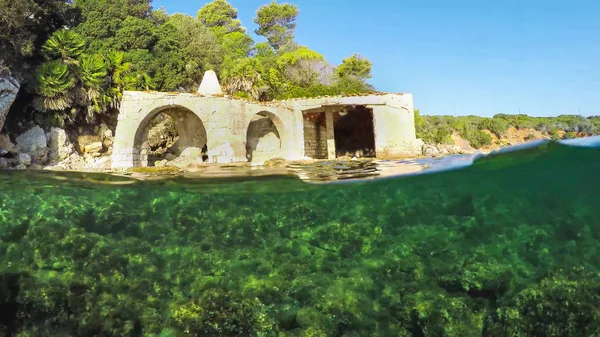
(263,137)
(168,133)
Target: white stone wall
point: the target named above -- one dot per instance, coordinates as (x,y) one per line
(226,122)
(263,141)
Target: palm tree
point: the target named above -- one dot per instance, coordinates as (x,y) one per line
(65,45)
(80,81)
(138,81)
(244,77)
(56,79)
(91,73)
(117,78)
(54,84)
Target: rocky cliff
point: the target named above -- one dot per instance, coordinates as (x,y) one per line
(9,87)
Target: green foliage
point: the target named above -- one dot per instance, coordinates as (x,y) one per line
(78,83)
(237,45)
(65,45)
(135,33)
(54,81)
(477,138)
(293,57)
(220,17)
(437,129)
(352,85)
(570,135)
(548,309)
(25,26)
(102,19)
(91,71)
(217,313)
(244,79)
(497,126)
(167,53)
(184,51)
(302,67)
(276,22)
(433,130)
(356,65)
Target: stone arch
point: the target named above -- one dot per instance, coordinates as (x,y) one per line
(266,137)
(191,132)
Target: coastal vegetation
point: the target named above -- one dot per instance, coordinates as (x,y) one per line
(482,131)
(75,58)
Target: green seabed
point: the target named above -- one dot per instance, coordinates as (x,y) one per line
(507,247)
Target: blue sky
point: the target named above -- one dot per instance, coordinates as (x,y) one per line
(481,57)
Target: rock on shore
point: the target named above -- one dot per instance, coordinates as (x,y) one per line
(36,149)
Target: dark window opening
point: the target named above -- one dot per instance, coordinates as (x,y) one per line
(354,132)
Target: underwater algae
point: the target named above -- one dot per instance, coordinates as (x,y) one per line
(507,247)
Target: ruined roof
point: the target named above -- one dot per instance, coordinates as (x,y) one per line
(362,94)
(199,94)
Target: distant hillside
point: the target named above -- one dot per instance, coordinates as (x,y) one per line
(501,130)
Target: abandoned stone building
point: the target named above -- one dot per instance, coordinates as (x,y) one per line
(232,130)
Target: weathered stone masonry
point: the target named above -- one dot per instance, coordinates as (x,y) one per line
(236,130)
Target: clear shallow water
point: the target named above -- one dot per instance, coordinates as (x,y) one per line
(506,245)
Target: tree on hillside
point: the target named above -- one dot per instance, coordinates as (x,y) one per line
(356,66)
(102,19)
(304,67)
(352,74)
(135,33)
(220,17)
(276,22)
(25,25)
(184,50)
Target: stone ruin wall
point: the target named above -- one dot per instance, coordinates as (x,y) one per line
(263,140)
(234,127)
(315,140)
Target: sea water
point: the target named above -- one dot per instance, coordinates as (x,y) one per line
(500,245)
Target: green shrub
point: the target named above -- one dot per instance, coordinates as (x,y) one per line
(570,135)
(438,129)
(496,125)
(477,138)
